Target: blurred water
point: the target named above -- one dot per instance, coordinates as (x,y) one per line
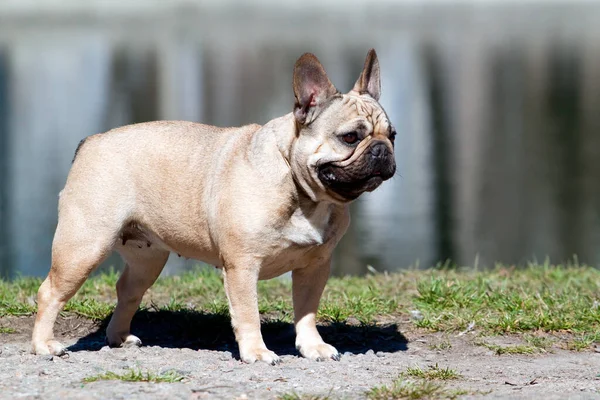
(496,109)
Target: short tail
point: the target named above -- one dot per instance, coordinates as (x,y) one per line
(77,149)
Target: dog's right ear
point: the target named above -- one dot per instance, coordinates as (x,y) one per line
(311,87)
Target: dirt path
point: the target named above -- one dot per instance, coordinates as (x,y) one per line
(210,369)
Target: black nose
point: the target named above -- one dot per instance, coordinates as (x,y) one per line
(378,151)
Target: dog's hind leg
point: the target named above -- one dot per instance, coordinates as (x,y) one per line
(142,268)
(74,257)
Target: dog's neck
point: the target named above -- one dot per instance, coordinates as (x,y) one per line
(286,134)
(282,133)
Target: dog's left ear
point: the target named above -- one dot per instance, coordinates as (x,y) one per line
(369,81)
(311,87)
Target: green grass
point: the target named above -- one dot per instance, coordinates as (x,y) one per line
(540,342)
(418,383)
(582,342)
(412,390)
(506,300)
(14,296)
(136,376)
(202,290)
(405,390)
(503,300)
(6,329)
(513,349)
(89,308)
(433,372)
(296,396)
(440,346)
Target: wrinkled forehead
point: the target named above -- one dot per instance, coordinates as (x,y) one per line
(366,109)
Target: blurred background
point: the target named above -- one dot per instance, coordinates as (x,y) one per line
(496,104)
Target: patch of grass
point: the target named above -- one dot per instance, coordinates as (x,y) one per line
(365,298)
(433,372)
(583,342)
(440,346)
(90,308)
(455,393)
(540,342)
(401,389)
(173,305)
(218,307)
(418,383)
(16,296)
(502,300)
(506,300)
(514,349)
(15,308)
(296,396)
(6,329)
(577,345)
(137,376)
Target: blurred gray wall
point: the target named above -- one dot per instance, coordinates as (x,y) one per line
(495,104)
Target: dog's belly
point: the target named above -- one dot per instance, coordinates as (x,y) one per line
(282,260)
(289,260)
(135,235)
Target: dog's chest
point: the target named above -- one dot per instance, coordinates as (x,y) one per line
(309,227)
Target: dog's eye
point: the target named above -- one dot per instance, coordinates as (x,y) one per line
(350,138)
(393,136)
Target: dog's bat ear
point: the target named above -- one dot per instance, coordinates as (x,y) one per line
(369,81)
(311,87)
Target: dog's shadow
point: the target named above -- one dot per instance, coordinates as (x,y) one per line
(198,330)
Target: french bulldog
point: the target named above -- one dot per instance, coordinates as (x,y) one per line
(255,201)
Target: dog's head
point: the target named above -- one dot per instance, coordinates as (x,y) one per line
(344,142)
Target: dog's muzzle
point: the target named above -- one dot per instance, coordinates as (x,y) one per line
(365,174)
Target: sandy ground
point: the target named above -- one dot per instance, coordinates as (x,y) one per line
(207,359)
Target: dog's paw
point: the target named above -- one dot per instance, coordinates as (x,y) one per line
(264,355)
(52,347)
(129,341)
(318,351)
(132,341)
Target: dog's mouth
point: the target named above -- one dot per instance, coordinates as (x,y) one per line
(349,179)
(349,185)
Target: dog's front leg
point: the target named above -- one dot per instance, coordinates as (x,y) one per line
(241,290)
(307,285)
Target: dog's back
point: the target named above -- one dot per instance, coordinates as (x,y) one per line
(122,177)
(185,133)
